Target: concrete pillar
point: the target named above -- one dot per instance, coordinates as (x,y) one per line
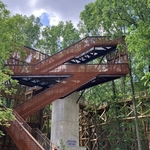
(65,123)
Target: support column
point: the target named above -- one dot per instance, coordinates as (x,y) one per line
(65,123)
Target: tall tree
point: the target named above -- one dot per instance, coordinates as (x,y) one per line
(29,28)
(51,38)
(58,37)
(10,40)
(128,18)
(70,34)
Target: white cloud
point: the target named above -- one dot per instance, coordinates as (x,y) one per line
(32,3)
(54,19)
(62,10)
(37,13)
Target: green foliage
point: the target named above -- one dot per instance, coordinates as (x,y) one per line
(56,38)
(128,18)
(29,27)
(63,145)
(50,42)
(5,116)
(114,16)
(10,40)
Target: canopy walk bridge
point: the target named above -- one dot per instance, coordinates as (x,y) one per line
(87,63)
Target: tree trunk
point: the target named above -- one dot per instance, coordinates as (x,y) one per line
(134,109)
(120,144)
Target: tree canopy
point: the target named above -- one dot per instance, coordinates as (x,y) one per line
(10,40)
(128,18)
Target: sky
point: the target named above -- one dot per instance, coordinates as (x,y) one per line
(50,11)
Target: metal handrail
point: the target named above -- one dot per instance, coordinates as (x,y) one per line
(87,42)
(25,132)
(66,47)
(70,68)
(22,121)
(43,140)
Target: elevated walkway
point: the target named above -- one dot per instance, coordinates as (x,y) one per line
(79,76)
(81,52)
(65,72)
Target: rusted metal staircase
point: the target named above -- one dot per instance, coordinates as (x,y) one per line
(83,51)
(19,128)
(25,137)
(20,133)
(78,76)
(67,71)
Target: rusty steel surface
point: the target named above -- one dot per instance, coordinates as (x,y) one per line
(30,56)
(71,52)
(19,132)
(120,68)
(81,74)
(36,64)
